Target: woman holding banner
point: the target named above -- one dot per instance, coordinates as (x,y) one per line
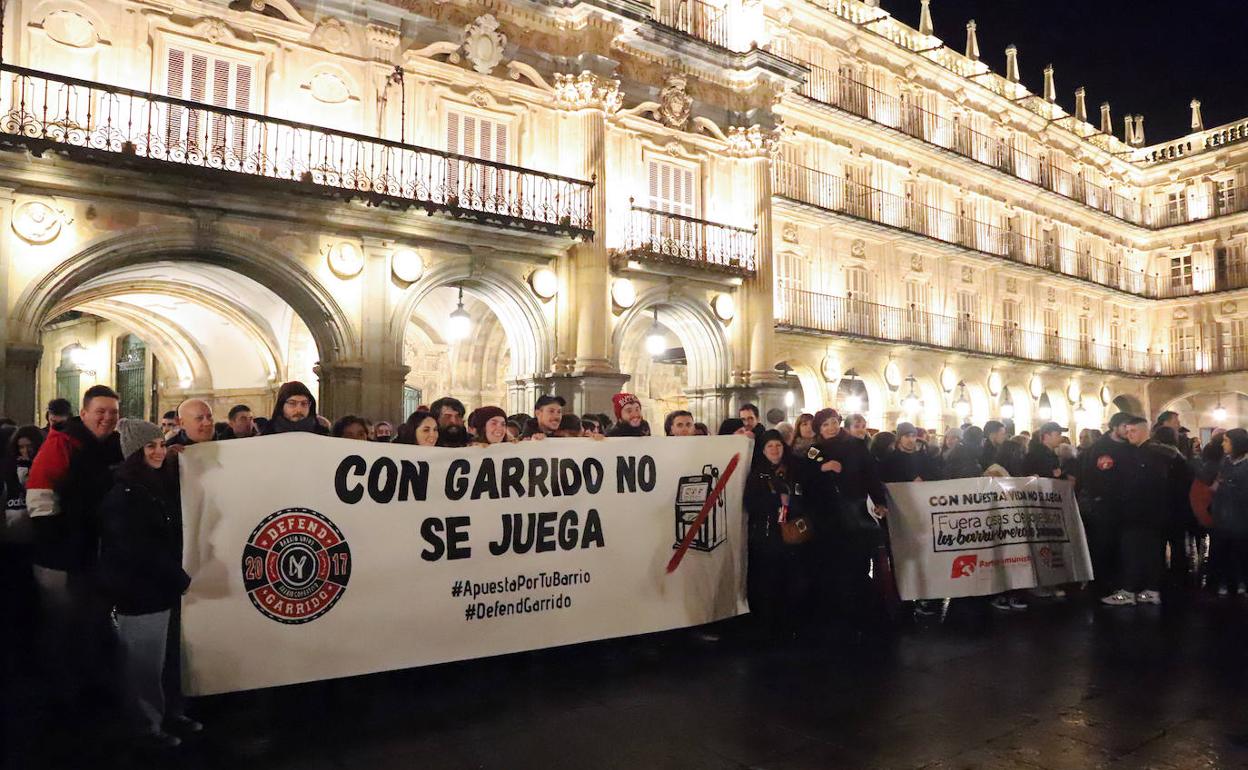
(141,568)
(489,425)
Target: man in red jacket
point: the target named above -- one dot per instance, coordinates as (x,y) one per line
(68,480)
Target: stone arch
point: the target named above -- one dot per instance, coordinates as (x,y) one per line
(171,343)
(328,323)
(700,332)
(1124,402)
(528,331)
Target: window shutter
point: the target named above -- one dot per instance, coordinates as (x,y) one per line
(242,102)
(176,74)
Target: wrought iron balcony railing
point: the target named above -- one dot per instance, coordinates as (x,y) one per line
(807,310)
(860,201)
(39,110)
(695,18)
(681,240)
(863,101)
(859,99)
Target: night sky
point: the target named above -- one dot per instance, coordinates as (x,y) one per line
(1144,57)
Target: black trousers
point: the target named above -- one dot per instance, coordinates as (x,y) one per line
(1142,558)
(1228,559)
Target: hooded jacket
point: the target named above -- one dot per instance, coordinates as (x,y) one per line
(278,422)
(141,541)
(68,480)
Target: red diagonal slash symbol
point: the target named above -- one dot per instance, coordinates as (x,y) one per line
(706,510)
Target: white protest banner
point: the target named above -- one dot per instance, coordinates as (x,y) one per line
(313,558)
(982,536)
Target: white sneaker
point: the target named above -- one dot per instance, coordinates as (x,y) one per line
(1017,604)
(1242,590)
(1059,593)
(1119,598)
(1148,597)
(1043,593)
(1223,592)
(1000,603)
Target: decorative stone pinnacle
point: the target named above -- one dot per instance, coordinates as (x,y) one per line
(925,19)
(972,41)
(1198,122)
(1050,90)
(1011,64)
(1081,104)
(1107,123)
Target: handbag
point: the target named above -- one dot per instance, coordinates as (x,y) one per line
(794,531)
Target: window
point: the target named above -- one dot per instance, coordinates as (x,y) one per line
(1229,266)
(1009,320)
(916,312)
(858,287)
(792,277)
(1183,347)
(968,317)
(858,283)
(672,189)
(1231,341)
(477,186)
(209,79)
(1052,327)
(1225,196)
(1181,274)
(1048,243)
(1176,206)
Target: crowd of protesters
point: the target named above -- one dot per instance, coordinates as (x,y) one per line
(92,563)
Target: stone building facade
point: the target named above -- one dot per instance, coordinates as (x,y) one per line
(796,204)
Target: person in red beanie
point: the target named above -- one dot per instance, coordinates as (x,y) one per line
(489,424)
(628,421)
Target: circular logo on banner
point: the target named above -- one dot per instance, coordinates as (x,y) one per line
(1104,462)
(296,565)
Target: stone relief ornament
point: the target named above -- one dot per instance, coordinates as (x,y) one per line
(483,44)
(36,222)
(328,88)
(213,30)
(1229,307)
(587,91)
(675,104)
(916,263)
(1087,303)
(1180,314)
(858,247)
(1011,285)
(788,232)
(332,35)
(750,142)
(69,28)
(968,275)
(1052,294)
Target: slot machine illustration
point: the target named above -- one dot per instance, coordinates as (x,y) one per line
(691,494)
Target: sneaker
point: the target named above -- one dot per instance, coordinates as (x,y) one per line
(1059,593)
(1223,592)
(1043,593)
(927,607)
(1241,590)
(1148,597)
(1017,604)
(159,741)
(1000,603)
(184,724)
(1120,598)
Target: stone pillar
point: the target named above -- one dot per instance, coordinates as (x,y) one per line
(340,386)
(21,366)
(382,375)
(593,379)
(757,291)
(8,239)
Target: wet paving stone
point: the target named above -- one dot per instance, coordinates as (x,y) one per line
(1064,687)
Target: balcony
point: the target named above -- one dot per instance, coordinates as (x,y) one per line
(695,18)
(801,310)
(842,196)
(117,126)
(686,242)
(859,99)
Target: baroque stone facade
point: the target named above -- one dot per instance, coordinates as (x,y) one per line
(796,204)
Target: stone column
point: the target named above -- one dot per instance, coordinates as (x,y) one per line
(340,386)
(21,366)
(594,379)
(382,375)
(765,386)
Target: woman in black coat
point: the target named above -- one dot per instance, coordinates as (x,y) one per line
(141,569)
(772,495)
